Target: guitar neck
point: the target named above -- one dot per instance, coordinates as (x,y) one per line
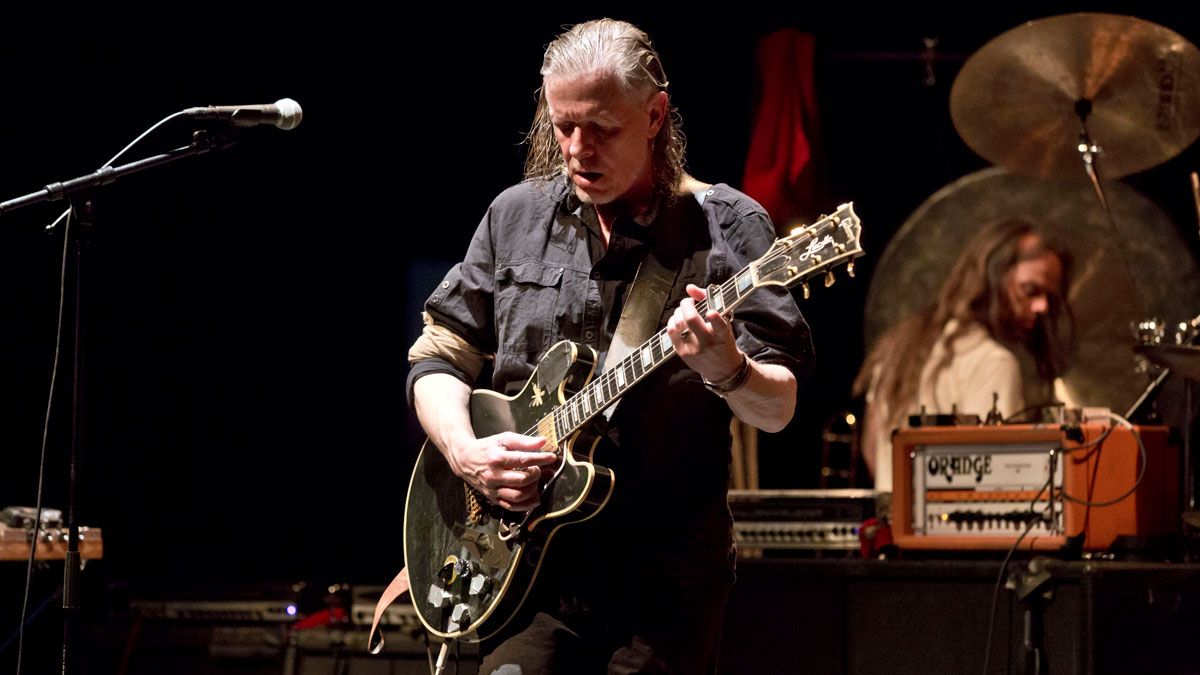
(613,383)
(790,260)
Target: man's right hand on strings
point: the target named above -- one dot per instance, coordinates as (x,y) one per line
(505,468)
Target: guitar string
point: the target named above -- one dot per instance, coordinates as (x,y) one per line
(564,427)
(560,417)
(628,363)
(607,379)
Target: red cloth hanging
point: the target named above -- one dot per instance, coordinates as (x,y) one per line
(780,172)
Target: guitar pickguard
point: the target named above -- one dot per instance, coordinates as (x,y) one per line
(564,369)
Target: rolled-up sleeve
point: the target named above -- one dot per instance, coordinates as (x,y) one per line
(462,303)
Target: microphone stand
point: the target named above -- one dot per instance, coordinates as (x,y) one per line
(79,191)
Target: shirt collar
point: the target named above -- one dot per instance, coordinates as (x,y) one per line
(570,203)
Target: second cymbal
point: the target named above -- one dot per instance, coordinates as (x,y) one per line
(1018,100)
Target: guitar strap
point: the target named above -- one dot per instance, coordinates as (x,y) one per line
(639,318)
(644,304)
(394,590)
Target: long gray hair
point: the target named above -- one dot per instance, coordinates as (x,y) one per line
(619,48)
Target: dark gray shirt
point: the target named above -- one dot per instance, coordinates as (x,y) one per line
(537,272)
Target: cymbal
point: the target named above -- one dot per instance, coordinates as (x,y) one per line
(1017,101)
(1183,359)
(1106,294)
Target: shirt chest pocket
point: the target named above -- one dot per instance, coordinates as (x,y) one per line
(526,297)
(679,290)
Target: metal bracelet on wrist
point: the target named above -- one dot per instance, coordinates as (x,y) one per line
(737,381)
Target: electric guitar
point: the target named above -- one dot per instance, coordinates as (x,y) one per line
(472,563)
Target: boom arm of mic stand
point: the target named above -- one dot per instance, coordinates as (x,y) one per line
(202,142)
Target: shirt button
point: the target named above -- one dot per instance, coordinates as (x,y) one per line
(595,275)
(445,284)
(435,298)
(590,335)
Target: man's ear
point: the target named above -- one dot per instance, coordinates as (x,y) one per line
(656,107)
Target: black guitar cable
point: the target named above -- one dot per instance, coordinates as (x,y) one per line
(1034,518)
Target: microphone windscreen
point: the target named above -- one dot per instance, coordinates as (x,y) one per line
(290,113)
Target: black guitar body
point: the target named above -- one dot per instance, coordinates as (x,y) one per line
(470,563)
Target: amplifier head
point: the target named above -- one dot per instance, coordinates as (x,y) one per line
(800,519)
(990,487)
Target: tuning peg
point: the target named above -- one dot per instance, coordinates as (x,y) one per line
(829,278)
(806,289)
(797,230)
(850,269)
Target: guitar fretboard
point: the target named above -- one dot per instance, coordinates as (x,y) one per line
(601,392)
(613,383)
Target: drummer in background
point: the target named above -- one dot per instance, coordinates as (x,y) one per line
(1002,305)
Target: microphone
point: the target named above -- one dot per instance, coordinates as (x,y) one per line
(284,113)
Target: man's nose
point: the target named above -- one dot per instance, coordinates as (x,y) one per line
(581,146)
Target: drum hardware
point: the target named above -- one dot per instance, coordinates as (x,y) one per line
(1041,101)
(1049,95)
(1183,358)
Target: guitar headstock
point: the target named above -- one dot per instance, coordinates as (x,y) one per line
(830,241)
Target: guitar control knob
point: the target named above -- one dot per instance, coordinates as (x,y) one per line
(448,573)
(438,597)
(460,618)
(481,584)
(465,568)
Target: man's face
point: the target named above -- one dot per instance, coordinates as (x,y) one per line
(606,136)
(1032,285)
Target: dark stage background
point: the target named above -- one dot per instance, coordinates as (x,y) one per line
(250,310)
